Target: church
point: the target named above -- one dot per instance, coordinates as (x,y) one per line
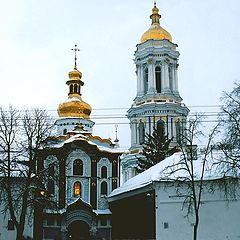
(88,170)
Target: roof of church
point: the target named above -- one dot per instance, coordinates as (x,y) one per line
(79,204)
(104,145)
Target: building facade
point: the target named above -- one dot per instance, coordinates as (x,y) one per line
(154,204)
(157,102)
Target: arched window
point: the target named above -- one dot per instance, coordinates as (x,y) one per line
(158,79)
(77,189)
(75,88)
(50,185)
(161,128)
(79,89)
(141,132)
(104,190)
(78,167)
(145,80)
(64,131)
(104,172)
(71,88)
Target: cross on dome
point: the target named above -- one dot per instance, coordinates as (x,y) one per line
(75,49)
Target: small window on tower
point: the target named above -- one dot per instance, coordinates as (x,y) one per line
(64,131)
(104,191)
(78,167)
(75,88)
(145,80)
(104,172)
(158,79)
(71,88)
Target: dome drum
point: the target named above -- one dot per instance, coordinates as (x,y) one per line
(75,81)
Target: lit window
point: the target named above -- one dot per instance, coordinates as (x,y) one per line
(77,189)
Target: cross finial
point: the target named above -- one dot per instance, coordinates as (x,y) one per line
(154,3)
(75,49)
(116,131)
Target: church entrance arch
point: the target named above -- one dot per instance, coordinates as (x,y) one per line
(78,230)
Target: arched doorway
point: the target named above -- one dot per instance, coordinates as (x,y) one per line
(78,230)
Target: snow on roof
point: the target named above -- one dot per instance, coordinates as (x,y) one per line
(166,171)
(83,137)
(102,212)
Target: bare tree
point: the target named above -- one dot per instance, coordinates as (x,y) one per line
(188,173)
(230,122)
(21,135)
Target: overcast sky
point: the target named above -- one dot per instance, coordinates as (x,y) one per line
(36,38)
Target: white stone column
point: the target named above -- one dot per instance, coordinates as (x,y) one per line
(136,132)
(176,78)
(138,80)
(150,77)
(166,78)
(162,76)
(173,78)
(154,78)
(141,81)
(132,133)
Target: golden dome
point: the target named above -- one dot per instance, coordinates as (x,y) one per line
(156,32)
(74,107)
(75,74)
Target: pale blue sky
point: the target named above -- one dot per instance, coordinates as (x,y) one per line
(36,38)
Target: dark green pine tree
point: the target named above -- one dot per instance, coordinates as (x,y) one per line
(156,148)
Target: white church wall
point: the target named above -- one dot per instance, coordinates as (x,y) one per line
(6,234)
(219,219)
(84,180)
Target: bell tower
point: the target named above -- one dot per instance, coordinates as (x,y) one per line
(157,101)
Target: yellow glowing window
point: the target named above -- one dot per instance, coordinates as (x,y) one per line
(77,189)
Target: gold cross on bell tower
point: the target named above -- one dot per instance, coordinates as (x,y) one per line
(75,49)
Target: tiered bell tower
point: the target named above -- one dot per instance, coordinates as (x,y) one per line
(157,102)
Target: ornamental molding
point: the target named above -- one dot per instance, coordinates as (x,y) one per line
(79,215)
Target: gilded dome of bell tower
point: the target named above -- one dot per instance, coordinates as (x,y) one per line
(74,106)
(155,32)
